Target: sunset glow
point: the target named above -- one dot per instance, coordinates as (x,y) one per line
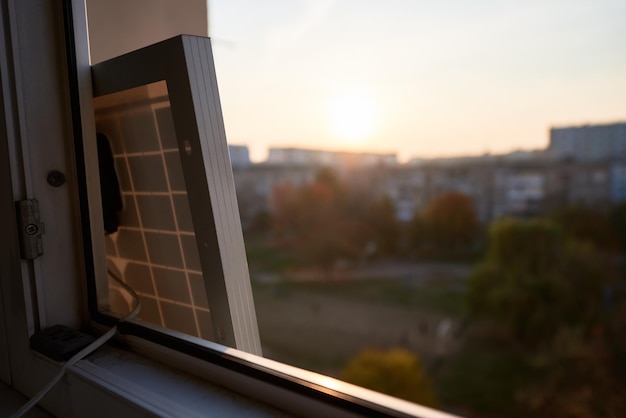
(353,117)
(422,79)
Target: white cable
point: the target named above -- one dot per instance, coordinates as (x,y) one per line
(84,352)
(133,313)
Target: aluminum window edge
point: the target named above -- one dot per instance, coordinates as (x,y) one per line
(85,157)
(205,93)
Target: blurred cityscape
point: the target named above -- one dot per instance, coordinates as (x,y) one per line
(488,285)
(582,166)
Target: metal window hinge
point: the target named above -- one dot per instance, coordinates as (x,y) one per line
(30,227)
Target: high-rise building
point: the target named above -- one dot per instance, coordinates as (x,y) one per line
(589,142)
(239,155)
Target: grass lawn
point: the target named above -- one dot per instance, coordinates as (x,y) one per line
(263,258)
(320,326)
(442,298)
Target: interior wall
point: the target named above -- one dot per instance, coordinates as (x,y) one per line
(120,26)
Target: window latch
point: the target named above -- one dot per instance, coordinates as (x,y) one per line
(30,227)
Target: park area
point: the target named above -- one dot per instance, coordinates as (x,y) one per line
(517,317)
(532,327)
(321,324)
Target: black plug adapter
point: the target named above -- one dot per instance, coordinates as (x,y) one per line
(59,342)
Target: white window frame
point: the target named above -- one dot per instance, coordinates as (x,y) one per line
(45,101)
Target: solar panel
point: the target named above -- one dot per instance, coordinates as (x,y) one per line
(179,243)
(154,247)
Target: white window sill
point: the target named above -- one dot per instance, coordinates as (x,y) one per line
(240,384)
(163,390)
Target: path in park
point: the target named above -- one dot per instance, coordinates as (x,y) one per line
(413,273)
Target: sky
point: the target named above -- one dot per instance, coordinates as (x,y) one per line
(421,79)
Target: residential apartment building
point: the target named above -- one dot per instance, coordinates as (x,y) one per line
(337,159)
(239,155)
(255,185)
(583,166)
(588,142)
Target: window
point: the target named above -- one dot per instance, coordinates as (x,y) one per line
(333,270)
(481,101)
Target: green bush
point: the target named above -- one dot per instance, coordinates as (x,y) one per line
(395,372)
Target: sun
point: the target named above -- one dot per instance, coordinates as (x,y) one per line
(353,116)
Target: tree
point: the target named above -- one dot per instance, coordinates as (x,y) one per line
(618,219)
(381,217)
(535,280)
(589,225)
(575,377)
(315,222)
(448,224)
(548,291)
(395,372)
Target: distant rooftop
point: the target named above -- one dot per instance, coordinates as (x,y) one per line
(517,155)
(347,159)
(590,125)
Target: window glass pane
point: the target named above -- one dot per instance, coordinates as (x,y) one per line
(435,191)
